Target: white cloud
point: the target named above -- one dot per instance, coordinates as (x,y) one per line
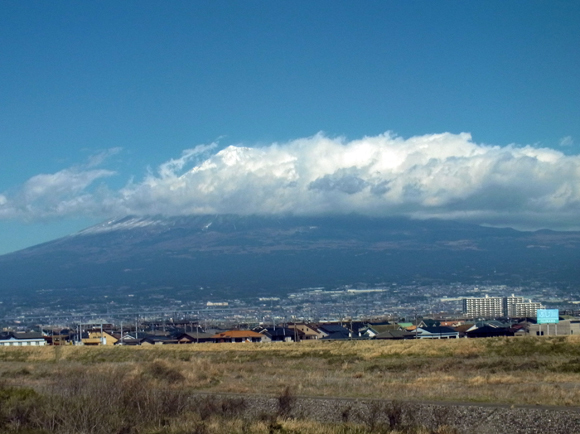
(98,159)
(171,168)
(439,175)
(68,182)
(54,195)
(566,141)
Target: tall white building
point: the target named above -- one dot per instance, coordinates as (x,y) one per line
(492,307)
(483,307)
(527,309)
(510,305)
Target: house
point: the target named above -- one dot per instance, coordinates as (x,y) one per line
(56,336)
(193,337)
(520,330)
(280,334)
(130,341)
(395,334)
(98,337)
(464,328)
(158,340)
(334,331)
(488,331)
(237,336)
(436,333)
(428,322)
(356,326)
(492,323)
(373,330)
(22,339)
(452,323)
(486,328)
(368,332)
(308,331)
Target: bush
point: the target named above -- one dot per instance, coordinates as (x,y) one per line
(161,371)
(16,406)
(286,402)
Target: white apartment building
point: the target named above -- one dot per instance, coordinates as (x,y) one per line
(483,307)
(510,305)
(526,309)
(493,307)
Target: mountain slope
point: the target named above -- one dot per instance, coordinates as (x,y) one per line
(257,254)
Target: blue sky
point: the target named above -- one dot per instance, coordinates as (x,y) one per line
(101,101)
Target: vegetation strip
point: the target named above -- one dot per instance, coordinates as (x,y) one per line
(437,386)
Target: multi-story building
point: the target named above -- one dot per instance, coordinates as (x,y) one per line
(509,305)
(483,307)
(493,307)
(526,309)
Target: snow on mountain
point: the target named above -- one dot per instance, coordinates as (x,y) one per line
(124,223)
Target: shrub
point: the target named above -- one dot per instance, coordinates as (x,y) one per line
(16,405)
(286,402)
(161,371)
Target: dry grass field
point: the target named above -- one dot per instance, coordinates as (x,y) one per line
(161,378)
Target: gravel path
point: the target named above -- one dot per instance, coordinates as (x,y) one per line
(465,417)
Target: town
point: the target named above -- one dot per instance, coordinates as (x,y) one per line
(484,316)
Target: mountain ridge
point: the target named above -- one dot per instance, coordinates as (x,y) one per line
(270,254)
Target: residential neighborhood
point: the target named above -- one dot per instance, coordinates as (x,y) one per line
(178,334)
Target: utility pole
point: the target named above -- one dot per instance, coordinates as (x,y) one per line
(351,330)
(416,326)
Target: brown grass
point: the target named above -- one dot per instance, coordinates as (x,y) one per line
(516,370)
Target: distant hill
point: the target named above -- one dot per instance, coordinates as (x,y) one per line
(250,255)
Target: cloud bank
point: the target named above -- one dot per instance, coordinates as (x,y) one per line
(432,176)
